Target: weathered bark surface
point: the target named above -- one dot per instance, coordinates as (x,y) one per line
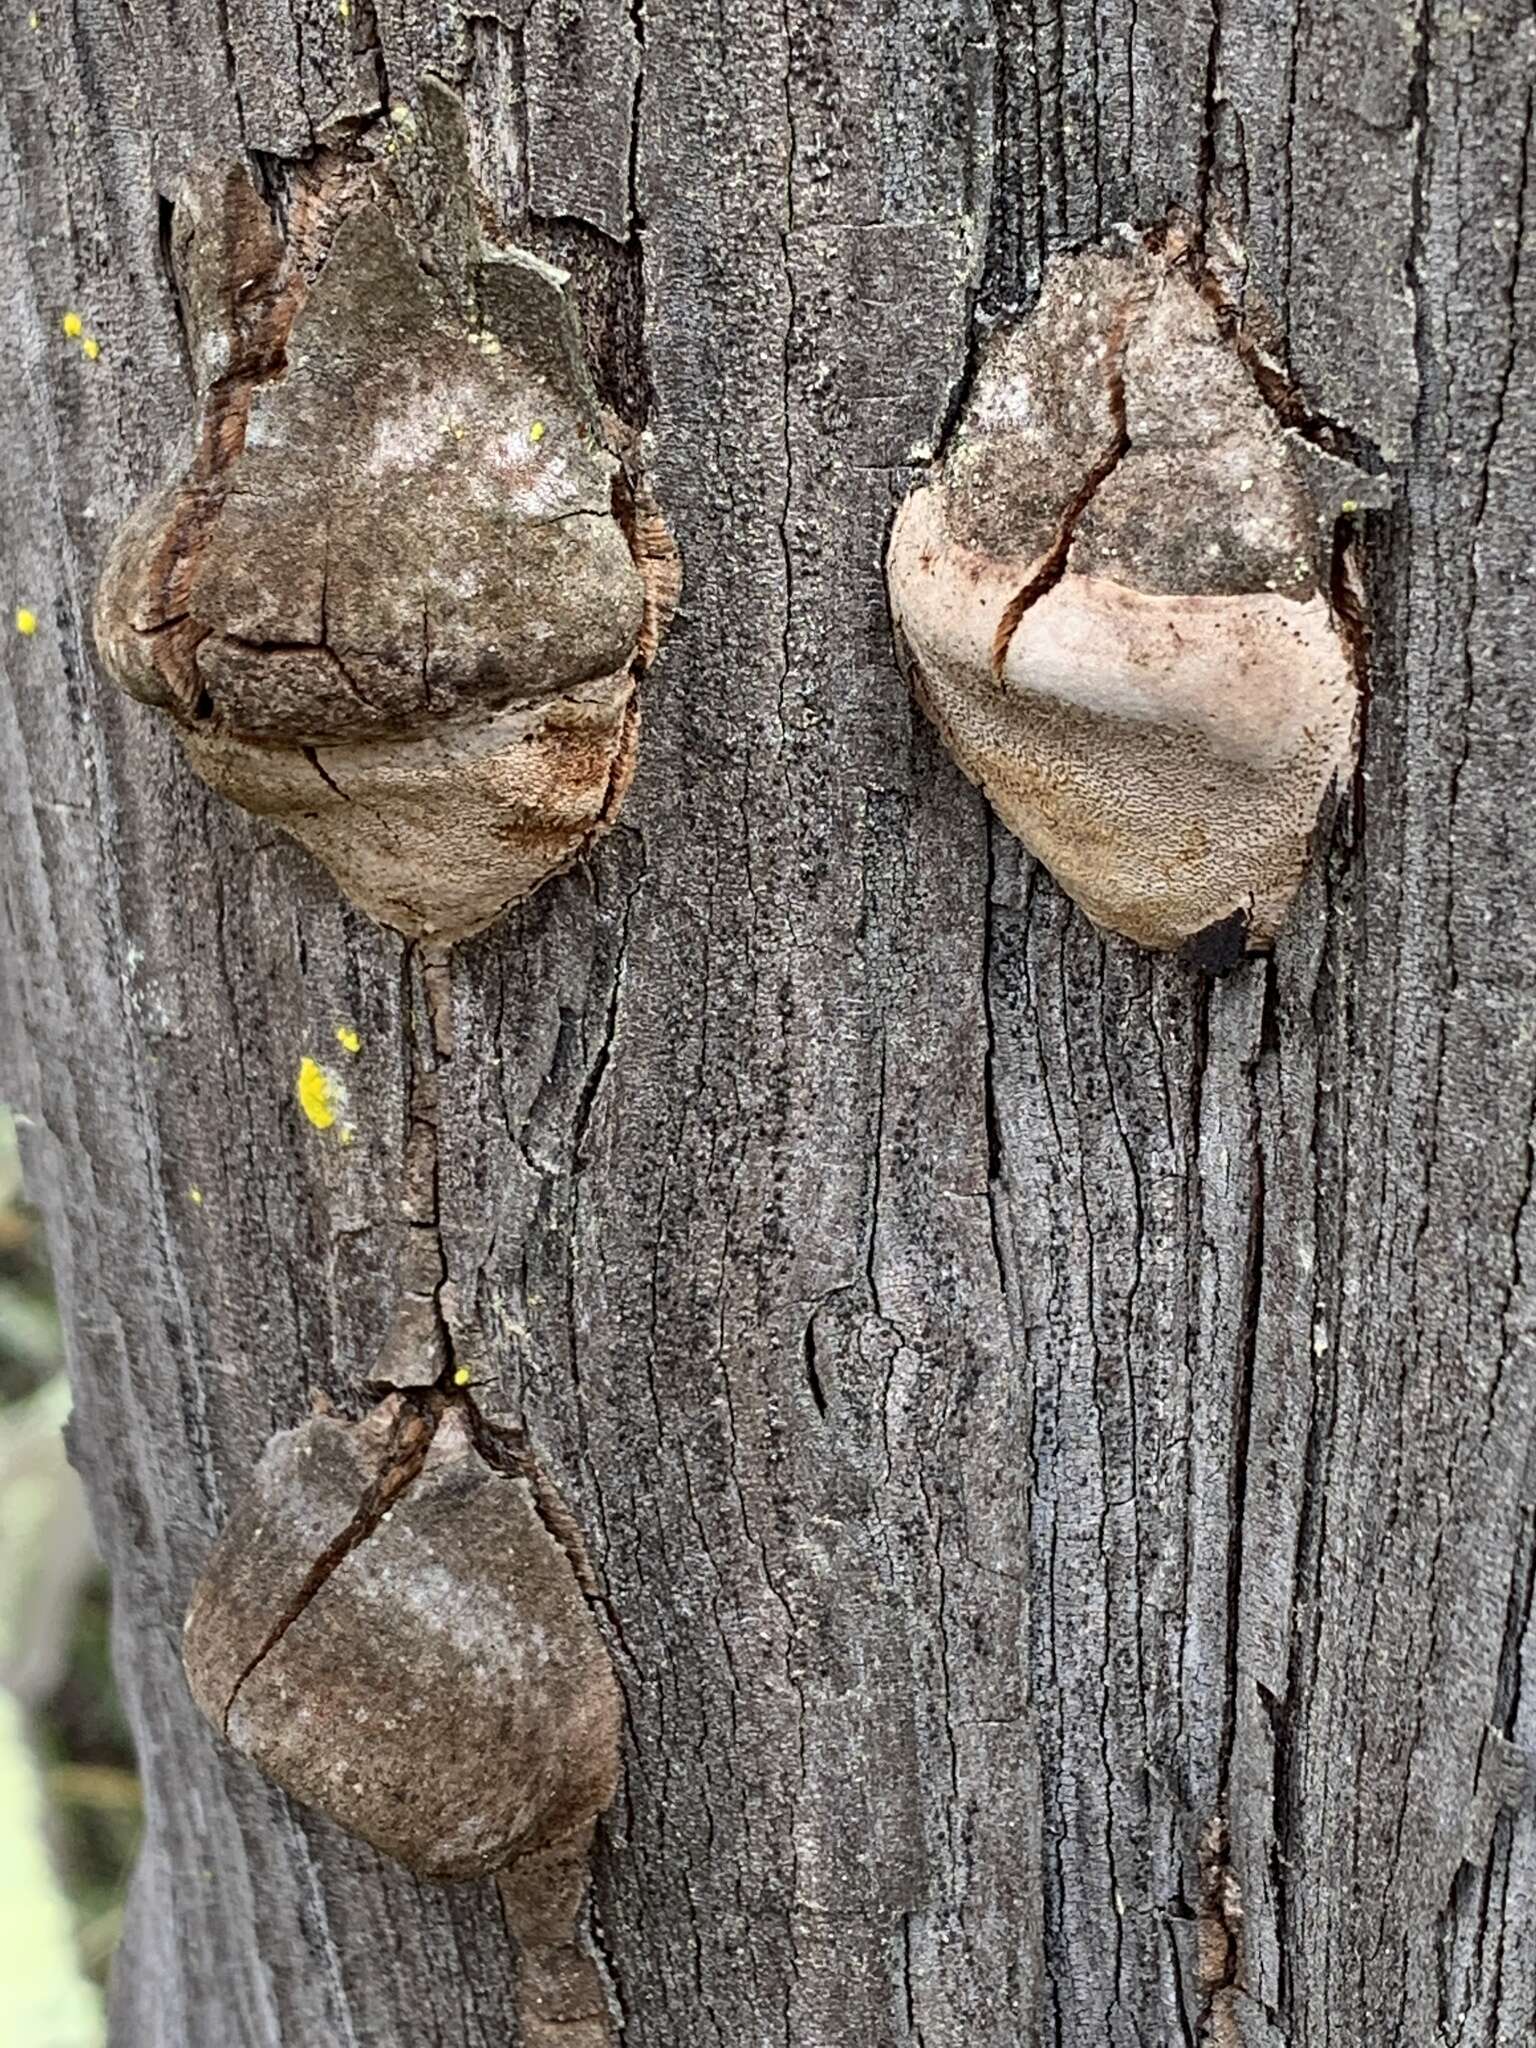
(1055,1434)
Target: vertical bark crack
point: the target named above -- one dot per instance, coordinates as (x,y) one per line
(637,23)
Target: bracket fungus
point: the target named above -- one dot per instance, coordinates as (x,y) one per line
(400,584)
(1124,601)
(389,1628)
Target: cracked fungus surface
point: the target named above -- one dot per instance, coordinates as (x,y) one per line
(393,594)
(389,1630)
(1115,601)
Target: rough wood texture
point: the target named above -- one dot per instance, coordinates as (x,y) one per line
(1055,1435)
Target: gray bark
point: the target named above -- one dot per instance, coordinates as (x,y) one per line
(1055,1433)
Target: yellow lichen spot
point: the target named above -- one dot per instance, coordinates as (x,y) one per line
(74,326)
(346,1135)
(34,19)
(348,1039)
(536,431)
(195,1197)
(461,1376)
(26,622)
(400,113)
(344,9)
(1350,505)
(90,348)
(316,1095)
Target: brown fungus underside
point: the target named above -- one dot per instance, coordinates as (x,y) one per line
(1118,601)
(398,589)
(390,1629)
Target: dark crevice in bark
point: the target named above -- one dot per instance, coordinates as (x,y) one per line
(877,1171)
(503,1447)
(787,359)
(1347,602)
(1007,261)
(1486,463)
(637,23)
(227,46)
(1510,1681)
(1205,169)
(593,1081)
(1176,1975)
(1426,361)
(1462,1910)
(1288,1715)
(165,222)
(1248,1338)
(994,285)
(996,1190)
(959,395)
(367,42)
(812,1374)
(1288,162)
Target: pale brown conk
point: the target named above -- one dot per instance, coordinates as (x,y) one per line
(1119,599)
(389,1628)
(397,592)
(396,1626)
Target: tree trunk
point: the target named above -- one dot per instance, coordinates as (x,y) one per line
(1054,1431)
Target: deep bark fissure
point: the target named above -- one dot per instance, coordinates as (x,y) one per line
(1205,169)
(1249,1314)
(636,10)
